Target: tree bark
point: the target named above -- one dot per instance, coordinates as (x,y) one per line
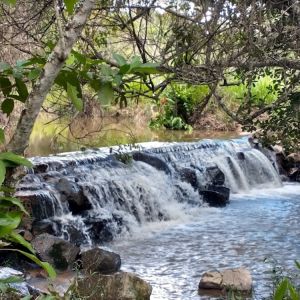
(65,43)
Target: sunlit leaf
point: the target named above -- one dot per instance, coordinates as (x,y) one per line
(119,59)
(73,95)
(2,136)
(17,238)
(105,93)
(281,290)
(14,201)
(70,5)
(15,159)
(46,266)
(2,172)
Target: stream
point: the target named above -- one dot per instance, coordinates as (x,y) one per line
(258,225)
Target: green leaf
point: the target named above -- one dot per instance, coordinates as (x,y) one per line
(9,221)
(17,238)
(70,5)
(5,86)
(11,279)
(124,69)
(105,93)
(148,68)
(2,172)
(7,106)
(119,59)
(297,264)
(2,136)
(281,290)
(135,62)
(15,159)
(4,66)
(22,89)
(73,94)
(14,201)
(293,292)
(46,266)
(34,74)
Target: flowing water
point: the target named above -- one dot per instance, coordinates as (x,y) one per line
(142,199)
(256,225)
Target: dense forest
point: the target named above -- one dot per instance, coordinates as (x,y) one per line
(218,64)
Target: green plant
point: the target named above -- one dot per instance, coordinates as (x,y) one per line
(175,109)
(286,288)
(11,212)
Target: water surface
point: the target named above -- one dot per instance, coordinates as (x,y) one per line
(263,223)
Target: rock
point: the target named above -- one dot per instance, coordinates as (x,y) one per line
(294,174)
(71,192)
(101,261)
(241,155)
(294,158)
(216,196)
(20,288)
(231,279)
(119,286)
(155,162)
(215,175)
(60,253)
(189,175)
(45,226)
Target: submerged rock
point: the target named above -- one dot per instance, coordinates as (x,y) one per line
(60,253)
(215,176)
(102,261)
(189,175)
(119,286)
(221,281)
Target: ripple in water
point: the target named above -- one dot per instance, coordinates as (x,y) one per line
(260,224)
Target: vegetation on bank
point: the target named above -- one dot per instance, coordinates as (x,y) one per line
(238,57)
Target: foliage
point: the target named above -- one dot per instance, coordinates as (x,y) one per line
(175,109)
(282,125)
(285,286)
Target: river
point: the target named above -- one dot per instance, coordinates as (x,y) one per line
(258,225)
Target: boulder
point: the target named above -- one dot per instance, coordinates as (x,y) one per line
(215,175)
(60,253)
(71,192)
(189,175)
(221,281)
(155,162)
(216,196)
(294,158)
(101,261)
(294,174)
(119,286)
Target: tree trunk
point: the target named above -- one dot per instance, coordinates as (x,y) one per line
(57,58)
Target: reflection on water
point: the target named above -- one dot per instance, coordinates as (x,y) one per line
(261,224)
(60,136)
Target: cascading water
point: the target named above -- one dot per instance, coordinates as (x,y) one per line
(91,196)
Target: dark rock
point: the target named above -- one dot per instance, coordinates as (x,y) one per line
(73,193)
(60,253)
(155,162)
(241,155)
(216,196)
(294,174)
(38,204)
(101,261)
(215,175)
(294,158)
(103,229)
(40,168)
(189,175)
(119,286)
(45,226)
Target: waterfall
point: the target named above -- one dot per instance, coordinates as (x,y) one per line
(94,195)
